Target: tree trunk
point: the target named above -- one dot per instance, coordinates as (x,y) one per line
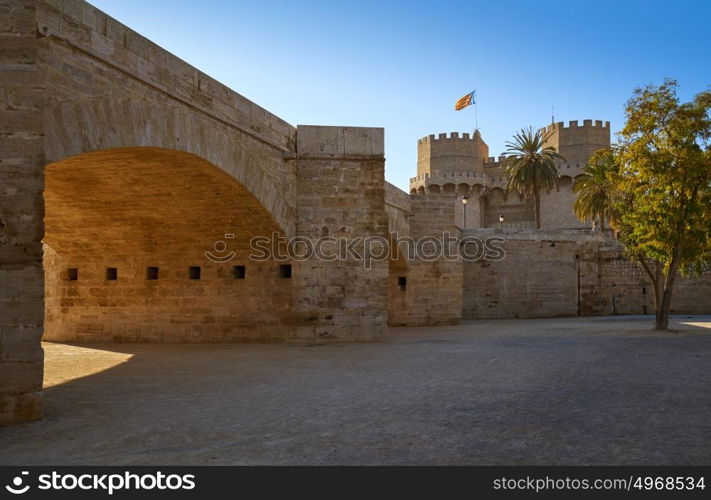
(664,306)
(657,302)
(655,276)
(662,316)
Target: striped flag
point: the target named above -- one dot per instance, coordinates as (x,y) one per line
(465,101)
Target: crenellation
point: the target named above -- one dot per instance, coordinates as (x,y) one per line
(575,124)
(447,137)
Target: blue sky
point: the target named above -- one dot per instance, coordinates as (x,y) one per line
(402,65)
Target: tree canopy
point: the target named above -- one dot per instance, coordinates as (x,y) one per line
(662,188)
(530,166)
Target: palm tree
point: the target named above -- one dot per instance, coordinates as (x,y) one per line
(595,189)
(530,166)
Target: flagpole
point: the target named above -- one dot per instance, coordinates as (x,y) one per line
(476,116)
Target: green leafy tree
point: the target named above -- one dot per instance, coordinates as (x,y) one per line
(530,166)
(662,203)
(595,188)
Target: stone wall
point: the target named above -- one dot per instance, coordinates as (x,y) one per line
(517,211)
(134,208)
(340,194)
(399,210)
(22,158)
(397,207)
(567,273)
(557,207)
(217,307)
(79,90)
(625,288)
(536,278)
(433,290)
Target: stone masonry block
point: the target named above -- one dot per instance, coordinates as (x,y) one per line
(16,408)
(339,141)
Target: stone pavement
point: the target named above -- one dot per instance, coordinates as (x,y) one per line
(603,390)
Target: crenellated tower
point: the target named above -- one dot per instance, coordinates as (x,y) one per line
(459,165)
(456,152)
(577,143)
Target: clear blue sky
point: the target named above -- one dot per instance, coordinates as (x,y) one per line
(402,65)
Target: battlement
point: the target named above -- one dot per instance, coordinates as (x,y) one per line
(457,136)
(574,124)
(454,176)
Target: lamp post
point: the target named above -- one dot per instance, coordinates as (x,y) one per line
(501,222)
(464,209)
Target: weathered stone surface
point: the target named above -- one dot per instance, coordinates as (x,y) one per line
(559,273)
(17,408)
(150,163)
(323,141)
(341,195)
(21,213)
(124,159)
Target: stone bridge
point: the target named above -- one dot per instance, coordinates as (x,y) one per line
(121,166)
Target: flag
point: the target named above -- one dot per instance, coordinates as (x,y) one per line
(465,101)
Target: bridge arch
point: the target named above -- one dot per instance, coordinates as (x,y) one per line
(152,244)
(90,85)
(117,120)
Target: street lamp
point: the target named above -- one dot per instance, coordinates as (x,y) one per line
(501,221)
(464,208)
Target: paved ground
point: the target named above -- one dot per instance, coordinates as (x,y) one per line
(562,391)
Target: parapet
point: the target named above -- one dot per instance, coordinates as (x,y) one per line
(316,140)
(456,136)
(573,124)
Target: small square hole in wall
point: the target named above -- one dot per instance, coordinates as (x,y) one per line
(285,271)
(194,272)
(402,283)
(152,273)
(111,274)
(239,272)
(72,274)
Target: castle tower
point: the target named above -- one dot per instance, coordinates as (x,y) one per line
(451,167)
(456,153)
(577,144)
(458,165)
